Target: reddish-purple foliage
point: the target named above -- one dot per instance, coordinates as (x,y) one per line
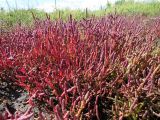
(97,68)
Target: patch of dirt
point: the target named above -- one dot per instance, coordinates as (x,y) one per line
(12,97)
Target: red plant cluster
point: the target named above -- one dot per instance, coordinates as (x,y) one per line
(96,68)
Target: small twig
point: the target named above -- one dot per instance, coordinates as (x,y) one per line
(145,114)
(114,99)
(133,104)
(154,113)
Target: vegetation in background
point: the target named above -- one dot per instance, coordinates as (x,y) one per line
(130,7)
(8,19)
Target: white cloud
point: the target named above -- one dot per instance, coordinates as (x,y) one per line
(82,4)
(73,4)
(47,7)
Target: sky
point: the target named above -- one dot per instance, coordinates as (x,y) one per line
(49,5)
